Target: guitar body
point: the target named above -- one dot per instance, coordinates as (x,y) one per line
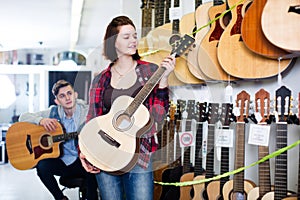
(228,189)
(236,59)
(158,169)
(200,18)
(185,191)
(213,190)
(198,188)
(280,24)
(207,53)
(119,140)
(253,35)
(171,175)
(28,143)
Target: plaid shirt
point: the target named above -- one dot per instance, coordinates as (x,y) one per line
(157,103)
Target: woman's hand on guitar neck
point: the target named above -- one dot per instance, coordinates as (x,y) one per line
(169,64)
(87,165)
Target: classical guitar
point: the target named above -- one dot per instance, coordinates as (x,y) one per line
(127,120)
(282,105)
(188,24)
(213,117)
(181,70)
(198,169)
(244,63)
(28,143)
(262,106)
(214,188)
(207,53)
(252,33)
(238,188)
(280,23)
(187,170)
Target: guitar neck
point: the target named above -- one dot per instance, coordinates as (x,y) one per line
(280,182)
(64,137)
(264,172)
(198,155)
(175,24)
(145,91)
(238,179)
(210,157)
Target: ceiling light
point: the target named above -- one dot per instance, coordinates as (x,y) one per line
(76,14)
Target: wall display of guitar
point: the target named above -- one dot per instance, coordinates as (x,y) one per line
(262,106)
(236,59)
(252,33)
(181,70)
(280,24)
(238,188)
(283,99)
(28,143)
(207,53)
(215,188)
(189,23)
(127,121)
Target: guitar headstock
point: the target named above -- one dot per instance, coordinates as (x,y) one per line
(172,111)
(262,104)
(190,108)
(283,102)
(181,45)
(226,116)
(243,104)
(201,112)
(181,104)
(213,113)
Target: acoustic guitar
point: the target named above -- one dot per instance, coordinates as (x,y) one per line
(207,53)
(238,188)
(181,70)
(215,188)
(253,35)
(282,106)
(280,23)
(28,143)
(127,120)
(236,59)
(262,106)
(189,24)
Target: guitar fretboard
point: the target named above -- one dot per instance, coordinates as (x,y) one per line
(65,136)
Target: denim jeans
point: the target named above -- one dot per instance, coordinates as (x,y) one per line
(136,184)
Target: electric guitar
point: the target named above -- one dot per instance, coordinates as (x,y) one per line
(262,106)
(280,23)
(214,188)
(125,123)
(244,63)
(238,188)
(28,143)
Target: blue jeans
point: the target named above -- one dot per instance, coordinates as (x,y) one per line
(136,184)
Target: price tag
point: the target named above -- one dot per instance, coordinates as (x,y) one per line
(175,13)
(224,137)
(259,135)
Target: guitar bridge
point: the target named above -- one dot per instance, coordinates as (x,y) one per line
(107,138)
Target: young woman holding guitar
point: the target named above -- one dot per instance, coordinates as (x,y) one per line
(124,78)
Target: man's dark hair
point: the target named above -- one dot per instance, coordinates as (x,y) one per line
(59,84)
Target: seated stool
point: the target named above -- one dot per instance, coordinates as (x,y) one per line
(74,182)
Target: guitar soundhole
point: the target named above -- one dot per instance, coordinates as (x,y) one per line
(123,122)
(238,196)
(46,141)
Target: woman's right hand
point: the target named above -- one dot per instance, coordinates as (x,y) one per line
(87,165)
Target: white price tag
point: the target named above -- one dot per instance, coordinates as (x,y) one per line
(186,139)
(259,135)
(175,13)
(224,137)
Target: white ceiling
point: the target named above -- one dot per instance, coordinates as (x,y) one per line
(27,23)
